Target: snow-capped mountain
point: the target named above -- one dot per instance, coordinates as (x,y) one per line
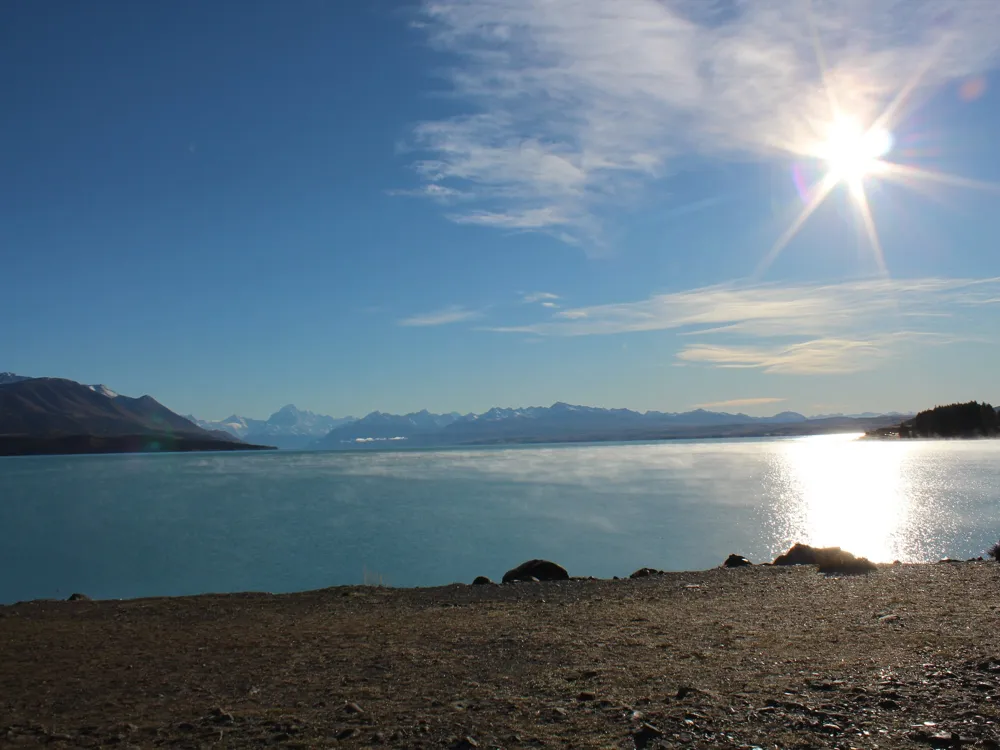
(378,426)
(9,377)
(559,422)
(289,427)
(234,425)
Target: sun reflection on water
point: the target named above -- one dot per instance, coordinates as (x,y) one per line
(836,491)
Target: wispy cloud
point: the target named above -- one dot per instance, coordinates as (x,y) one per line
(444,316)
(542,297)
(740,402)
(440,193)
(789,328)
(573,105)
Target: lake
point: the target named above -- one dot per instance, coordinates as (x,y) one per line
(167,524)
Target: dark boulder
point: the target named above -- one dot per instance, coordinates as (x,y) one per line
(736,561)
(847,564)
(78,598)
(481,581)
(645,573)
(541,570)
(829,559)
(800,554)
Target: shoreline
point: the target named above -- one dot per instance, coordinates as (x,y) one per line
(762,655)
(641,573)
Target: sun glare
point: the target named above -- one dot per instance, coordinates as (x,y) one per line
(851,152)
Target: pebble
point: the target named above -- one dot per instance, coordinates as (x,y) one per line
(353,708)
(586,695)
(645,734)
(222,717)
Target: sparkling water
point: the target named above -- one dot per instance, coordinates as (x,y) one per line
(166,524)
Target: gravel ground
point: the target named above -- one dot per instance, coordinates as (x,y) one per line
(767,657)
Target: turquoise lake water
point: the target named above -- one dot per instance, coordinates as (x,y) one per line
(147,525)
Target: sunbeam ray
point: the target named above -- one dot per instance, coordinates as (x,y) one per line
(861,200)
(819,193)
(902,173)
(885,120)
(824,72)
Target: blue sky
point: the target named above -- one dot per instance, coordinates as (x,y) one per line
(453,205)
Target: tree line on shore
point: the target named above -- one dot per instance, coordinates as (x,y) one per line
(971,419)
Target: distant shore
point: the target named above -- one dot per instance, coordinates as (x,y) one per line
(903,657)
(23,445)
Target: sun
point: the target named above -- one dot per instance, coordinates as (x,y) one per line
(853,153)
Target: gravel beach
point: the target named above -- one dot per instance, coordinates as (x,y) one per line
(908,657)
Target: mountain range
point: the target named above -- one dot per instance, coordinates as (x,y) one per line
(289,427)
(55,415)
(563,422)
(34,412)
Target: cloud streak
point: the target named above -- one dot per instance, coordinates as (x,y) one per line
(444,316)
(574,105)
(543,297)
(788,328)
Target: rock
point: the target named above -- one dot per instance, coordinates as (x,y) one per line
(481,581)
(847,564)
(829,559)
(349,733)
(222,717)
(948,560)
(645,734)
(79,598)
(586,695)
(542,570)
(353,708)
(645,573)
(736,561)
(466,743)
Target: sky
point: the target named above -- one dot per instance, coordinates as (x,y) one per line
(457,204)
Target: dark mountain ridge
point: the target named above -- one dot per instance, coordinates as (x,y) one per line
(45,415)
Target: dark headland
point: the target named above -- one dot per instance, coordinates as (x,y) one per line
(59,416)
(906,656)
(967,420)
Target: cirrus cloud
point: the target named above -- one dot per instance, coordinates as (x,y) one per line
(575,105)
(444,316)
(790,328)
